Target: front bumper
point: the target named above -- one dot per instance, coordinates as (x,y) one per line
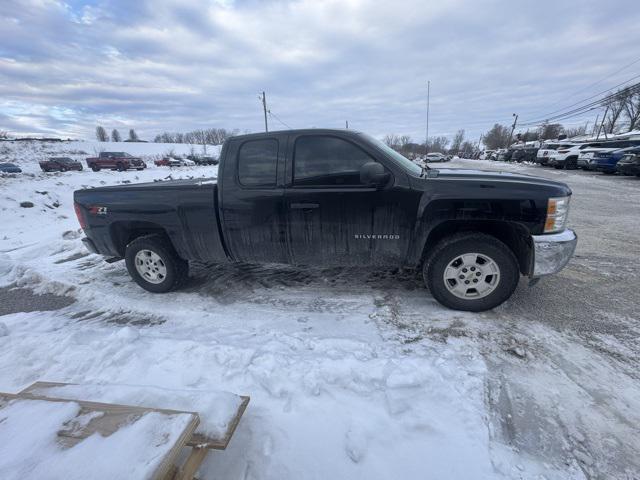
(552,252)
(628,169)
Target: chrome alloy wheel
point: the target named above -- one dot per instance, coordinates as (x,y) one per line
(150,266)
(471,276)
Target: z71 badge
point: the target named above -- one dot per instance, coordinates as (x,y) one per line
(98,210)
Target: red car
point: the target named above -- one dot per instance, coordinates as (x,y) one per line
(120,161)
(162,163)
(60,164)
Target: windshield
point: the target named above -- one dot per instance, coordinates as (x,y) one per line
(400,159)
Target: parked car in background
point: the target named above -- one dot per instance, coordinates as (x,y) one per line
(203,160)
(500,154)
(180,162)
(60,164)
(9,168)
(629,164)
(120,161)
(568,157)
(526,154)
(542,157)
(486,155)
(163,162)
(607,161)
(436,157)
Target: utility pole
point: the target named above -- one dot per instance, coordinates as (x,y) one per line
(346,124)
(513,127)
(264,107)
(595,125)
(602,124)
(426,143)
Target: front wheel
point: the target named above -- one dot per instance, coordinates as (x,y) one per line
(154,265)
(472,272)
(95,168)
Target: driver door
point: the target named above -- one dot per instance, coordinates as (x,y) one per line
(331,215)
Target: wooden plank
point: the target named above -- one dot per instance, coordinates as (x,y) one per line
(192,464)
(197,440)
(112,417)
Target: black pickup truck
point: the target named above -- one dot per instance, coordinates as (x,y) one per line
(334,198)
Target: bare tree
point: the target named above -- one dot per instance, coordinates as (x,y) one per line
(437,144)
(101,134)
(575,131)
(615,106)
(392,140)
(497,137)
(467,149)
(458,138)
(550,131)
(133,136)
(115,135)
(632,109)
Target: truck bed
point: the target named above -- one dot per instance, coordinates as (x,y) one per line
(185,209)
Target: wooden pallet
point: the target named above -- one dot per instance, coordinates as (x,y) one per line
(199,444)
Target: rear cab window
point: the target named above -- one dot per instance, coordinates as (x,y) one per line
(258,163)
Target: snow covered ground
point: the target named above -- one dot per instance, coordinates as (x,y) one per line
(352,373)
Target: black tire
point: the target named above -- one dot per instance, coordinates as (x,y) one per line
(63,169)
(454,246)
(177,269)
(120,167)
(571,163)
(95,168)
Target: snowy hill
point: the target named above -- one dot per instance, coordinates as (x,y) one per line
(27,154)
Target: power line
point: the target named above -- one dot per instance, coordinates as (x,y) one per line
(601,80)
(587,107)
(278,119)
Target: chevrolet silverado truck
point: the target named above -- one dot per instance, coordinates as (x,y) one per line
(120,161)
(337,198)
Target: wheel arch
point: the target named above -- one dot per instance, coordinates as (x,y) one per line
(513,235)
(122,233)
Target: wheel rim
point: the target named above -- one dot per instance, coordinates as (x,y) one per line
(471,276)
(150,266)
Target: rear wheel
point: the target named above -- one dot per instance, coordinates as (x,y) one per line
(154,265)
(472,272)
(571,163)
(95,168)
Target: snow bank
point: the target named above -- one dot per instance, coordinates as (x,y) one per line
(27,154)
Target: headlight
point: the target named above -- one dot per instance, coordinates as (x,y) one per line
(557,213)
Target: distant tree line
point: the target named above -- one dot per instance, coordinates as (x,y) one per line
(438,144)
(102,136)
(209,136)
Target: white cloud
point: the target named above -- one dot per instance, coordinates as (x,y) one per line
(179,65)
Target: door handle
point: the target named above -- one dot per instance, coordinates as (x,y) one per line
(304,206)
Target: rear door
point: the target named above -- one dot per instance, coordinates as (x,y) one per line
(251,199)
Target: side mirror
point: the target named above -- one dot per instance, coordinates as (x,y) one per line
(372,173)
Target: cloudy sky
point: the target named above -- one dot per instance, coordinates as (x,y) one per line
(177,65)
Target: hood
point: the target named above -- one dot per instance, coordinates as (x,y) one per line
(498,180)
